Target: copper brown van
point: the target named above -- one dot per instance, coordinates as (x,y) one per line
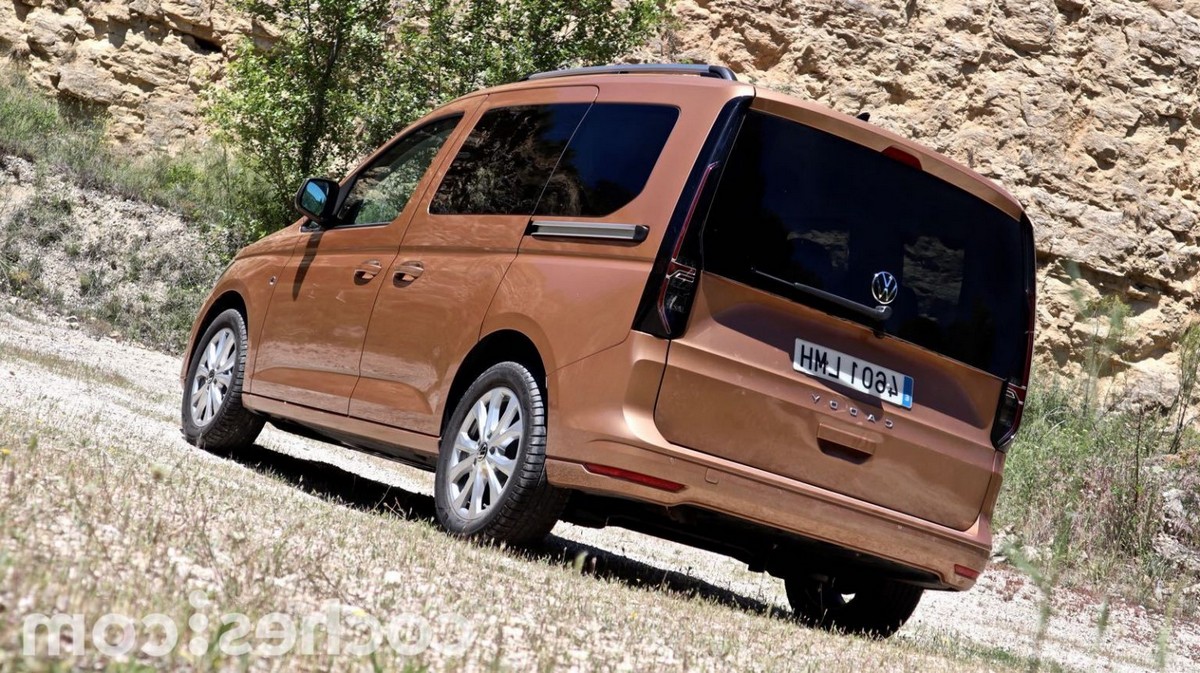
(659,298)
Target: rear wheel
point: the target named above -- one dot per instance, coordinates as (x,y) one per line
(213,415)
(875,607)
(491,479)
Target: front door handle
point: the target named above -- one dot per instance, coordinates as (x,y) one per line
(408,272)
(368,270)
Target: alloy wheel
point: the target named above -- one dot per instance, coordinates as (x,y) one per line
(213,377)
(484,455)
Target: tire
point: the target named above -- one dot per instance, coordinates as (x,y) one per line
(218,421)
(474,496)
(876,608)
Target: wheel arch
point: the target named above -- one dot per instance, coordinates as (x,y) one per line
(505,345)
(227,300)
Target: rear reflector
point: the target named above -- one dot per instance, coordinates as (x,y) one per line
(903,157)
(963,571)
(635,477)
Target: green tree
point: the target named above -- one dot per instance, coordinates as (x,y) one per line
(346,75)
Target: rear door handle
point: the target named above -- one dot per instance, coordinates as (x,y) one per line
(408,272)
(368,269)
(848,446)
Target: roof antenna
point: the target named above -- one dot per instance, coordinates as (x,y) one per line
(864,115)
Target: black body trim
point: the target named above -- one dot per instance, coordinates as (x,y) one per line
(716,149)
(603,231)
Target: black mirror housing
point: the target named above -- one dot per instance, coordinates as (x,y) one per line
(317,200)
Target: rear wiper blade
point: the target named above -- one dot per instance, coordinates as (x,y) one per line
(875,313)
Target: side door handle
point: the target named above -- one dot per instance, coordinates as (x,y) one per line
(408,272)
(368,270)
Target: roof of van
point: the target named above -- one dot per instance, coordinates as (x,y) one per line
(721,79)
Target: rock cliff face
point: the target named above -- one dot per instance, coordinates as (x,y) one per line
(1085,109)
(144,62)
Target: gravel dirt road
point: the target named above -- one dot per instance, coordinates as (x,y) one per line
(52,373)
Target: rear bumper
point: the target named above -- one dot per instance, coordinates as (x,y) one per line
(797,509)
(601,418)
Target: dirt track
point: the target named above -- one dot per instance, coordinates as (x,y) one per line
(98,382)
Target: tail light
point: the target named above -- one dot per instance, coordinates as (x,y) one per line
(1008,416)
(1012,400)
(671,285)
(679,284)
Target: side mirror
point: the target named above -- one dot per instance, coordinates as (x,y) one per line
(316,200)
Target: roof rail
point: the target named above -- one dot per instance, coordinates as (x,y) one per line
(717,71)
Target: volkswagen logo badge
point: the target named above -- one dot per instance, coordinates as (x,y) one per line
(884,287)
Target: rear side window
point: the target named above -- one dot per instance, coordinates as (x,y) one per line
(504,164)
(804,206)
(609,159)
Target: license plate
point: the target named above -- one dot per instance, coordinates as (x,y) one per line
(886,384)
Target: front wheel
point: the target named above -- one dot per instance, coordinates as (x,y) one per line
(213,415)
(491,479)
(875,607)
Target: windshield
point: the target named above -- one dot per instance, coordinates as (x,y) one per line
(800,209)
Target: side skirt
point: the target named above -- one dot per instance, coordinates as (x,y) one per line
(409,447)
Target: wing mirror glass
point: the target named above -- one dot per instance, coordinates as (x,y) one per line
(316,200)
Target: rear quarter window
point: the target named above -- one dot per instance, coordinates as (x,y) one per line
(609,159)
(504,163)
(566,159)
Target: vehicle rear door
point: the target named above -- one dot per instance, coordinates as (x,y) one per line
(786,364)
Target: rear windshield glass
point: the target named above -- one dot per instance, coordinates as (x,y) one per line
(800,205)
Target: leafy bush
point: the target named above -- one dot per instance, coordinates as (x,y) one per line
(345,76)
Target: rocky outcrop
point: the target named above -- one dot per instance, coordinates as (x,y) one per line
(143,62)
(1085,109)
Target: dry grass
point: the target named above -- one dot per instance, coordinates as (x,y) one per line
(103,510)
(57,364)
(104,525)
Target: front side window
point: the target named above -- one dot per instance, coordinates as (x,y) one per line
(799,205)
(383,189)
(504,164)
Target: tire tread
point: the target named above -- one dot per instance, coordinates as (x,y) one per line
(878,609)
(236,426)
(530,506)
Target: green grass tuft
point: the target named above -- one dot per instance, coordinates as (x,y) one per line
(1086,487)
